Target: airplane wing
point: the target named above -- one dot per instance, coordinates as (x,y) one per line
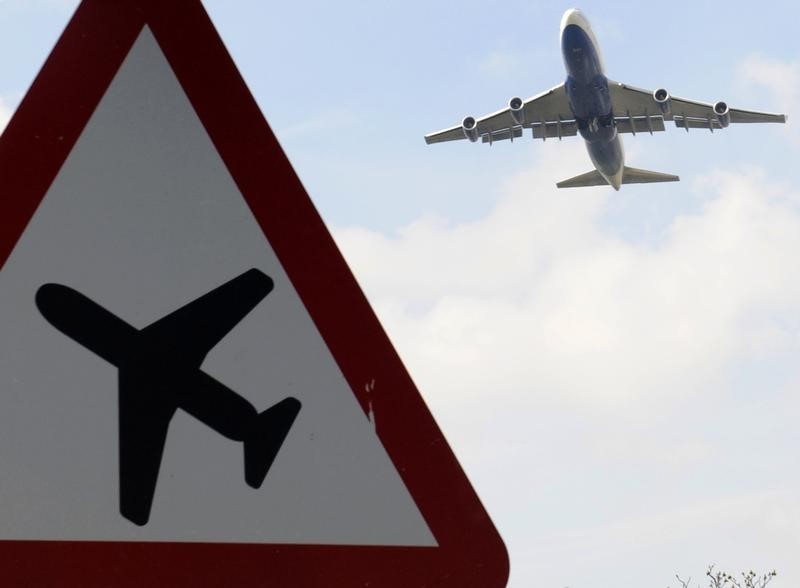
(630,101)
(143,426)
(193,330)
(548,115)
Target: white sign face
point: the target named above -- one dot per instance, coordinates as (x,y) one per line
(144,218)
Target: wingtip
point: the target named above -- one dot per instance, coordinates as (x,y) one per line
(259,279)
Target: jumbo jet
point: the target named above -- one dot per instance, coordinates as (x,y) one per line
(600,110)
(159,372)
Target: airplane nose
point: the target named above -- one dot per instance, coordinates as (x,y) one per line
(573,16)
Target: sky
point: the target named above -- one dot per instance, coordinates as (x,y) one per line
(616,371)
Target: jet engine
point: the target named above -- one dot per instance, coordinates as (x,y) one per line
(470,127)
(662,98)
(723,113)
(516,107)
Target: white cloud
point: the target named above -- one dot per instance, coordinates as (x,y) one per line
(591,385)
(730,532)
(539,293)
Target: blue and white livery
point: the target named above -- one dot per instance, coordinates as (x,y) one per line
(598,109)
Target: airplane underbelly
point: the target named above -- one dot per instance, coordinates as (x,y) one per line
(597,130)
(607,156)
(589,100)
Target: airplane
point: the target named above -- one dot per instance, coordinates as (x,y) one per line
(159,372)
(600,110)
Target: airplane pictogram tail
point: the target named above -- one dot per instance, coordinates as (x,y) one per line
(262,444)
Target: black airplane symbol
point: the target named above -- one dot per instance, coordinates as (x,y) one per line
(159,372)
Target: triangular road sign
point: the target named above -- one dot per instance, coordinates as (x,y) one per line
(159,253)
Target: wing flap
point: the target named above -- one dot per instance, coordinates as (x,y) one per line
(503,135)
(639,124)
(711,124)
(555,129)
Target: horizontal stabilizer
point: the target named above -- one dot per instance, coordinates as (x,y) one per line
(592,178)
(266,438)
(630,175)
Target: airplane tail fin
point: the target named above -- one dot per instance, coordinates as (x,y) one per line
(630,175)
(265,440)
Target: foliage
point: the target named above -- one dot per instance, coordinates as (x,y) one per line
(720,579)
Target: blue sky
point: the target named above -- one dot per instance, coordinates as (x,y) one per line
(616,371)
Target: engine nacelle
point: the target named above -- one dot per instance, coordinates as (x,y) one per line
(470,127)
(662,98)
(517,108)
(723,114)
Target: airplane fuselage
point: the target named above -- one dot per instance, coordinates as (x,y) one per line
(587,92)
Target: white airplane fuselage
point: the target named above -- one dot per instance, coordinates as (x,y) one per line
(587,92)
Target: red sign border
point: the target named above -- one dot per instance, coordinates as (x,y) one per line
(32,150)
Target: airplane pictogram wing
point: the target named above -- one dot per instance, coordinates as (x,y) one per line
(143,427)
(194,329)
